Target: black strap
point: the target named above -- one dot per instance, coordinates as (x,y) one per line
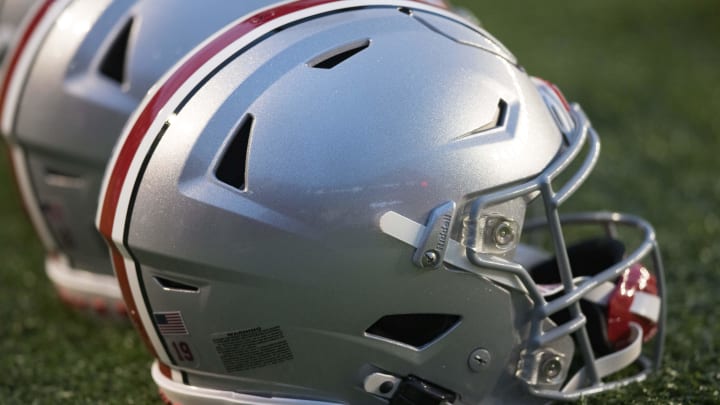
(414,391)
(587,258)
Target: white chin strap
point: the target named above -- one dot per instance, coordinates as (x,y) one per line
(644,305)
(613,362)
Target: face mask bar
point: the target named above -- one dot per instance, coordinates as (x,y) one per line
(534,365)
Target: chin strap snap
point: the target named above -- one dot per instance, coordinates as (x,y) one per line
(409,390)
(414,391)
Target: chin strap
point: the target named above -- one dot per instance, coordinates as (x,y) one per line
(643,304)
(612,362)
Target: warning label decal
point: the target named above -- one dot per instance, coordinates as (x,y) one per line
(252,348)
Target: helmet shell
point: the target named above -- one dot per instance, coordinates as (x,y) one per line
(346,115)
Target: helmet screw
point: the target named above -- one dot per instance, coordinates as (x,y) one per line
(386,387)
(551,368)
(430,258)
(504,233)
(479,360)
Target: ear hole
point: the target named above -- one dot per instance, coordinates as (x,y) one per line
(587,258)
(61,179)
(339,55)
(231,169)
(414,330)
(113,65)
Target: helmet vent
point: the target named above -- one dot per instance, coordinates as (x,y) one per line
(114,62)
(501,113)
(332,58)
(405,10)
(172,285)
(231,169)
(415,330)
(60,179)
(496,121)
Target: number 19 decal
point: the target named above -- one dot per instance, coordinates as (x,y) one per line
(182,352)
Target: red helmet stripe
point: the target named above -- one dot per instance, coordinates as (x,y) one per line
(121,274)
(558,93)
(165,369)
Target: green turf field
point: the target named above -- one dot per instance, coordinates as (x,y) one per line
(648,75)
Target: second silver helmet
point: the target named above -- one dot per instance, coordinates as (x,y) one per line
(74,77)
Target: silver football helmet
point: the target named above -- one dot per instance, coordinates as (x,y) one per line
(326,203)
(11,14)
(75,76)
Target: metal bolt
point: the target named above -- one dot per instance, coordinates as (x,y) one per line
(479,360)
(504,233)
(430,258)
(551,368)
(386,387)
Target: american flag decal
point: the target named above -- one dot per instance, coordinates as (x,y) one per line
(170,323)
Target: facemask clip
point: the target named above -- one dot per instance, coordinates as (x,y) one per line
(434,241)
